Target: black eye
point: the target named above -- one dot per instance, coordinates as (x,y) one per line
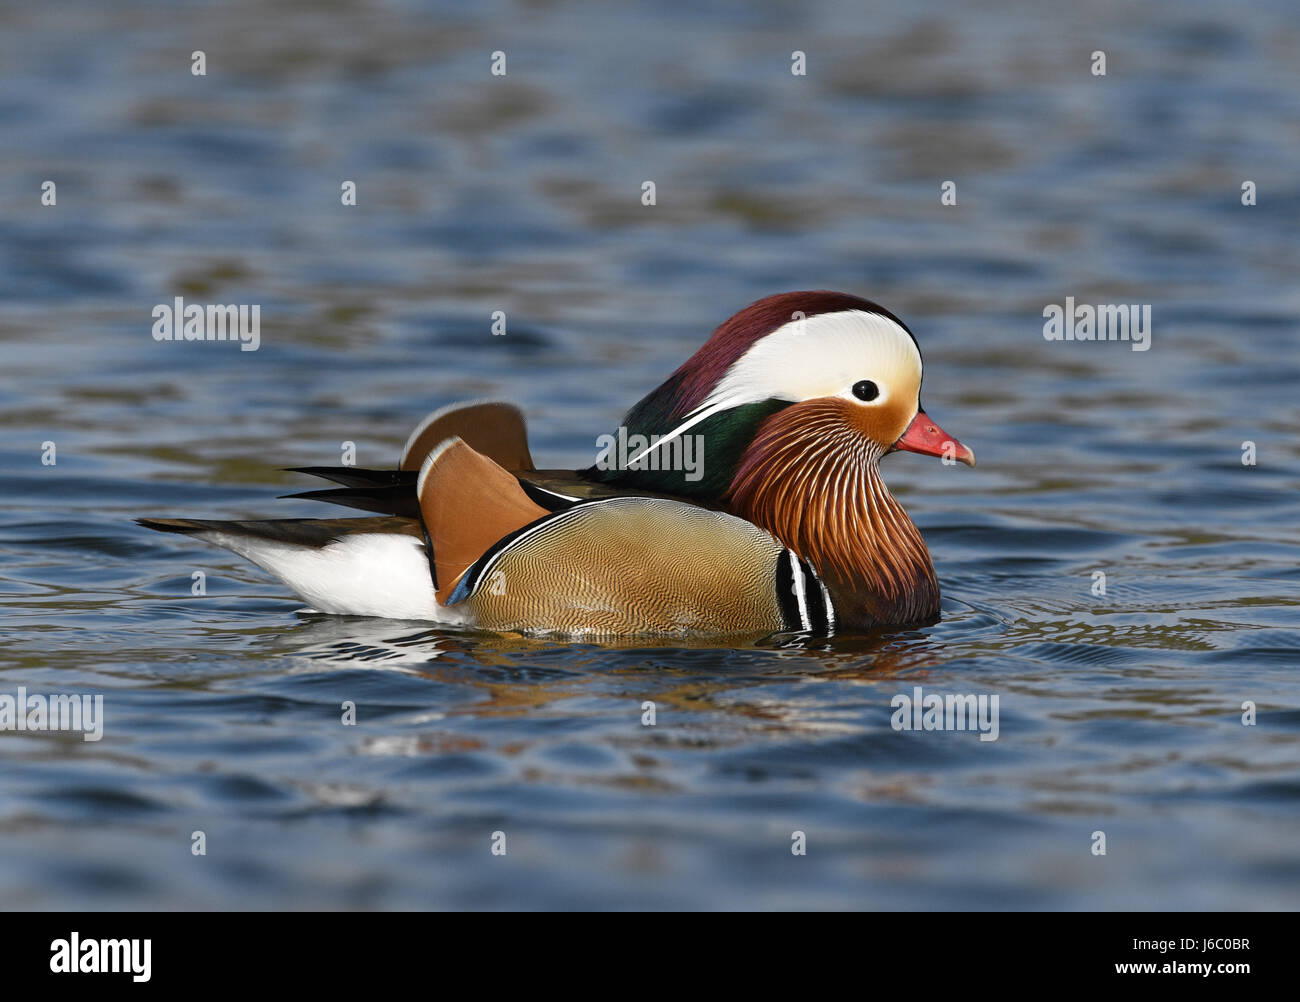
(865,389)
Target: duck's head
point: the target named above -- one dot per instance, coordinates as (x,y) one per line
(789,407)
(831,364)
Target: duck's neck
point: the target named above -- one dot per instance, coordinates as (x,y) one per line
(815,485)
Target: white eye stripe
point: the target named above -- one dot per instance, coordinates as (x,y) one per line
(823,356)
(820,356)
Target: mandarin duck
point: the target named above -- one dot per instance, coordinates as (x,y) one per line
(774,520)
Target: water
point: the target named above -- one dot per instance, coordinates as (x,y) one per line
(1120,713)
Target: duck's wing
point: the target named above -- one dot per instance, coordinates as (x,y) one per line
(467,503)
(392,492)
(612,566)
(558,489)
(387,498)
(493,429)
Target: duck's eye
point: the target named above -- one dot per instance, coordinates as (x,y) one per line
(865,389)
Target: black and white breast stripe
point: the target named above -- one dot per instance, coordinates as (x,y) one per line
(805,603)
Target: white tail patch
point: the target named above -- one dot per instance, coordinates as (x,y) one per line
(363,574)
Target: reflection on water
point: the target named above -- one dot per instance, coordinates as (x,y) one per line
(1120,711)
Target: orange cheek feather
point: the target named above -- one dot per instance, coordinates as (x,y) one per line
(881,423)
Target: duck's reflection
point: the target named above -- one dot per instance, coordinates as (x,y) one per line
(515,674)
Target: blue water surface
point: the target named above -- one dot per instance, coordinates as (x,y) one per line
(1120,713)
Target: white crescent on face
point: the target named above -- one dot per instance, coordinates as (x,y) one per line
(819,356)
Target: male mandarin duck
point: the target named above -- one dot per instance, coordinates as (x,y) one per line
(785,525)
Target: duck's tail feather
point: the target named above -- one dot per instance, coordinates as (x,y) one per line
(397,499)
(294,531)
(345,566)
(352,476)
